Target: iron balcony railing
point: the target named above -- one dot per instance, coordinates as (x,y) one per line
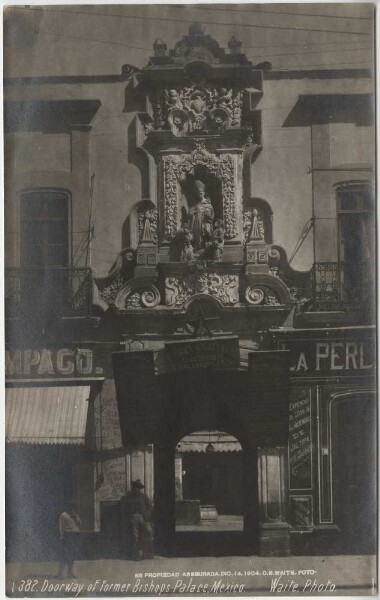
(64,290)
(341,286)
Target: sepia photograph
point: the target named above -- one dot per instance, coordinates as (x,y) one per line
(190,300)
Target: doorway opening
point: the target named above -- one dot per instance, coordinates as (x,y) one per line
(209,495)
(209,482)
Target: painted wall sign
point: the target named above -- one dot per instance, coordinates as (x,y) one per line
(203,353)
(66,362)
(301,511)
(300,440)
(332,357)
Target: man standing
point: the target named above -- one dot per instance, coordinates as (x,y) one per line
(69,526)
(137,510)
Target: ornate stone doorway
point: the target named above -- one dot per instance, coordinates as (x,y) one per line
(200,401)
(216,395)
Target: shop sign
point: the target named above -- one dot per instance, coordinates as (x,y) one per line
(221,352)
(300,440)
(332,357)
(62,362)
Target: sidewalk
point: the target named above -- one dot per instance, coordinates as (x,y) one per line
(228,576)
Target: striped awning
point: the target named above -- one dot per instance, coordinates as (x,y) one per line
(46,415)
(197,442)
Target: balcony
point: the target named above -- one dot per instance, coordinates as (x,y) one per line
(340,286)
(66,291)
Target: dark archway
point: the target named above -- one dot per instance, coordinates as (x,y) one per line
(195,400)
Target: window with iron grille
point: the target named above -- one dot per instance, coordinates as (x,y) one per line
(356,239)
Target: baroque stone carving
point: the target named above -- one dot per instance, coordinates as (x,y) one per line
(178,290)
(261,295)
(148,298)
(109,293)
(197,108)
(176,168)
(253,225)
(218,240)
(223,287)
(187,254)
(147,224)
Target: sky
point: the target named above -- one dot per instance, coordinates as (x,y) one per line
(98,39)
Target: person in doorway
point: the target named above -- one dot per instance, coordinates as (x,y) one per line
(69,525)
(137,510)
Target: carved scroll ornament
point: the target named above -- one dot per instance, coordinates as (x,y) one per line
(261,295)
(135,295)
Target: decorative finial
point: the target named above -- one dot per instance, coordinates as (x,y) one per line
(196,29)
(234,45)
(159,47)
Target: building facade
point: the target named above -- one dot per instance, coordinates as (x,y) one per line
(155,325)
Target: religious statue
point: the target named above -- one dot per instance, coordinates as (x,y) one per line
(257,228)
(146,233)
(218,240)
(173,99)
(201,216)
(187,248)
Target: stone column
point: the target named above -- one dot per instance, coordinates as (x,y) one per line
(178,476)
(169,211)
(232,206)
(274,529)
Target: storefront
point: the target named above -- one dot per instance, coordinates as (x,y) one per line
(51,446)
(332,439)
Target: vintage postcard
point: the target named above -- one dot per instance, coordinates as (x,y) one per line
(190,300)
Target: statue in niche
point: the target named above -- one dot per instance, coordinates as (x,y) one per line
(256,232)
(201,217)
(146,233)
(147,224)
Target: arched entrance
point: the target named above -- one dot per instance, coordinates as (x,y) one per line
(353,441)
(198,402)
(217,394)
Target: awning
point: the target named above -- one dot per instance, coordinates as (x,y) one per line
(197,442)
(46,415)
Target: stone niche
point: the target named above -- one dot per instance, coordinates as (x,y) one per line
(201,205)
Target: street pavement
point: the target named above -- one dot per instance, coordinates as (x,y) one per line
(197,576)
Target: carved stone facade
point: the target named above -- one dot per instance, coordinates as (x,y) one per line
(195,108)
(198,132)
(224,288)
(147,225)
